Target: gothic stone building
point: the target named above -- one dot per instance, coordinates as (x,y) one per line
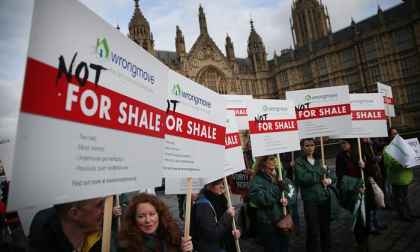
(384,47)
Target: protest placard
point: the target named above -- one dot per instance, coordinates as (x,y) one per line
(368,117)
(195,130)
(93,102)
(322,111)
(388,99)
(401,151)
(414,143)
(273,127)
(239,105)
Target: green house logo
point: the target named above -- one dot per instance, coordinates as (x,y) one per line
(176,90)
(308,98)
(102,48)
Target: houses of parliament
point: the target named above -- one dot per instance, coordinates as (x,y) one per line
(384,47)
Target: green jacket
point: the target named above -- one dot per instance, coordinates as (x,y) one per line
(265,194)
(308,177)
(397,174)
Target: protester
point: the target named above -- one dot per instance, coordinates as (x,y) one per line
(68,227)
(288,162)
(372,171)
(400,178)
(357,199)
(266,195)
(211,221)
(149,226)
(313,180)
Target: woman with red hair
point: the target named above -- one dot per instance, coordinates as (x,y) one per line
(149,227)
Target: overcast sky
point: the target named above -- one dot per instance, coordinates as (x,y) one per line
(271,19)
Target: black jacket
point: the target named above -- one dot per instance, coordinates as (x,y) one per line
(210,233)
(46,234)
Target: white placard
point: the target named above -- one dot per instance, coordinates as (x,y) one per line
(195,130)
(368,117)
(92,111)
(273,127)
(322,111)
(414,143)
(388,99)
(234,158)
(239,105)
(401,151)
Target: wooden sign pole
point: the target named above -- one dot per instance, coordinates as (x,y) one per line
(107,223)
(229,199)
(188,209)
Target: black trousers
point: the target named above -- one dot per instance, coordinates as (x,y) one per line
(317,218)
(400,198)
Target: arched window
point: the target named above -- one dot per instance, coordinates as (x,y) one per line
(214,79)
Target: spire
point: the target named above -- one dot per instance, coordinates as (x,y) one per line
(256,50)
(202,20)
(139,29)
(230,52)
(179,42)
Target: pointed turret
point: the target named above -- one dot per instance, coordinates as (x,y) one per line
(139,29)
(256,50)
(202,20)
(230,51)
(179,42)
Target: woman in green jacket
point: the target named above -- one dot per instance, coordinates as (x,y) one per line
(313,180)
(265,193)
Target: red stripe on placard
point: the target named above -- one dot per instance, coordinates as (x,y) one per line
(323,112)
(232,140)
(269,126)
(368,115)
(91,104)
(239,111)
(389,100)
(177,124)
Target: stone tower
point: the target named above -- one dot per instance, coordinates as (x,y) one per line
(256,51)
(139,30)
(310,21)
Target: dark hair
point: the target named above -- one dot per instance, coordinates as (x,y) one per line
(260,162)
(62,209)
(302,141)
(131,237)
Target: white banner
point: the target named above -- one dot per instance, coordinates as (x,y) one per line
(388,99)
(415,145)
(273,127)
(92,110)
(368,117)
(239,104)
(401,151)
(195,130)
(322,111)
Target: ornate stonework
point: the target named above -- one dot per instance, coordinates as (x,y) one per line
(384,47)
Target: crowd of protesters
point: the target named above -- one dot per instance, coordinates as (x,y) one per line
(269,213)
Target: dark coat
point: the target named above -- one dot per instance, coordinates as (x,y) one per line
(46,234)
(210,233)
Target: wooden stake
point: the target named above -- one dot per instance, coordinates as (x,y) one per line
(322,152)
(359,146)
(117,203)
(390,122)
(229,199)
(107,223)
(281,179)
(188,209)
